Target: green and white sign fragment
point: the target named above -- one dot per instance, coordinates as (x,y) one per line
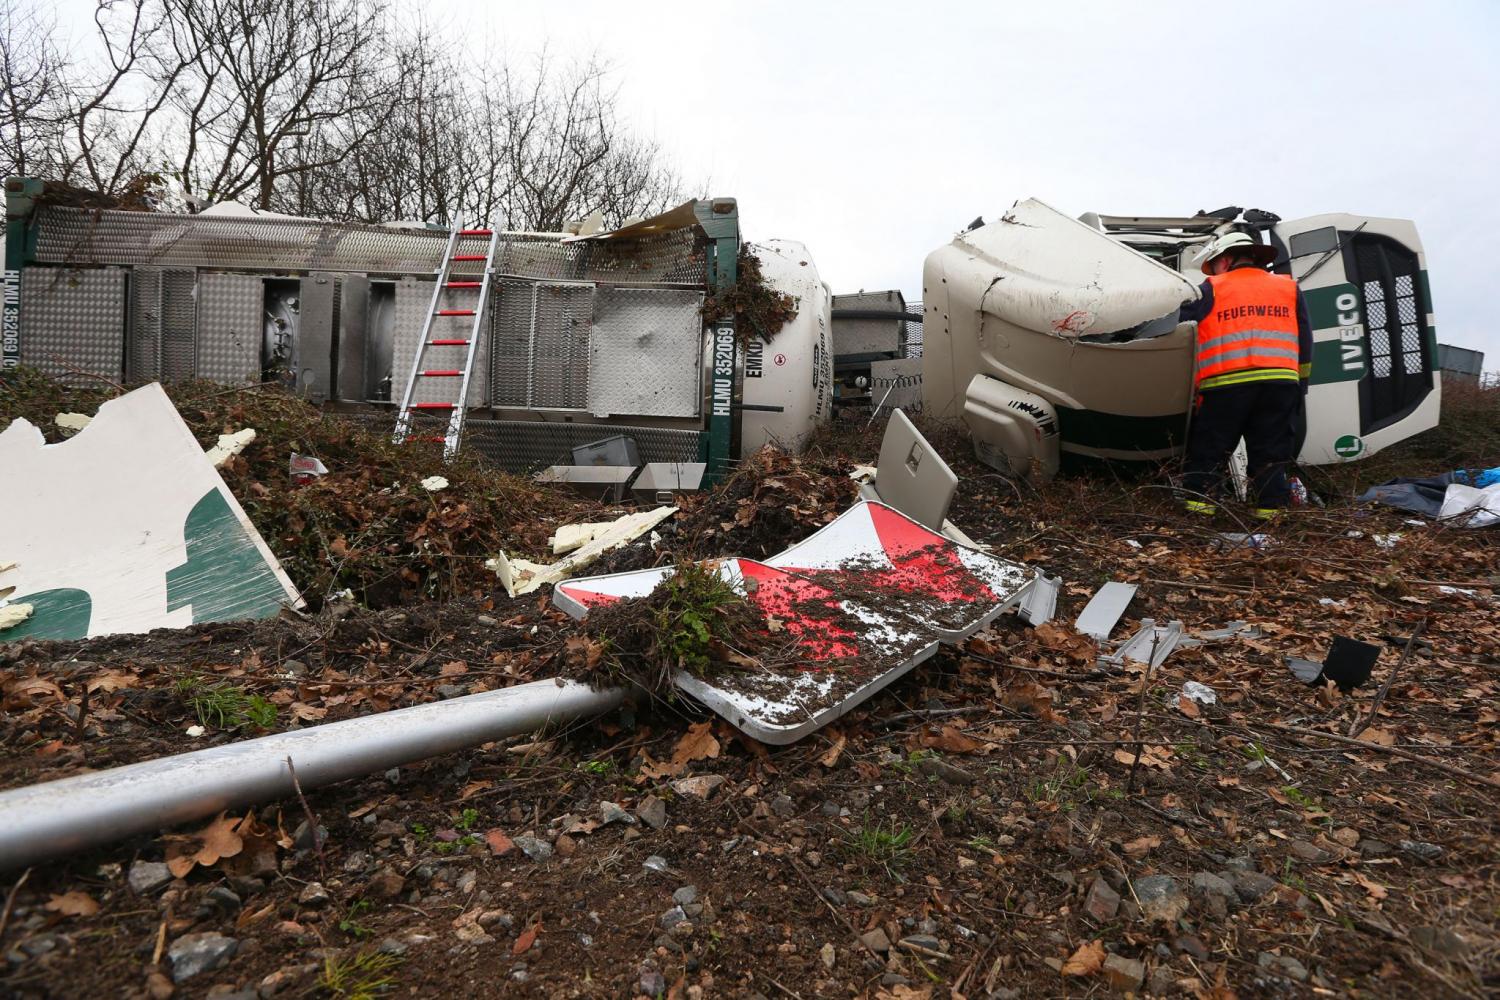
(126,527)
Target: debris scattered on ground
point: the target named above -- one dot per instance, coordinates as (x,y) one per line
(521,576)
(979,814)
(228,446)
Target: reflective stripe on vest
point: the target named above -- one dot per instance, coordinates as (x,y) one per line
(1253,327)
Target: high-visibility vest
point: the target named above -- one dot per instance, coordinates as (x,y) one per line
(1251,333)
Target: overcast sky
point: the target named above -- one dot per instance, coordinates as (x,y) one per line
(873,131)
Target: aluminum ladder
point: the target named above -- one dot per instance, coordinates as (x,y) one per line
(470,344)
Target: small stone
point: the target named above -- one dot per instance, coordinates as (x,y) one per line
(393,946)
(273,983)
(1209,884)
(611,812)
(159,987)
(828,956)
(835,895)
(194,954)
(652,811)
(496,918)
(860,899)
(655,863)
(921,942)
(389,828)
(829,808)
(302,837)
(486,621)
(894,979)
(1253,886)
(686,895)
(1162,981)
(223,896)
(1102,902)
(387,884)
(566,846)
(672,917)
(875,940)
(783,806)
(536,850)
(472,933)
(1311,853)
(1161,899)
(651,982)
(467,881)
(146,877)
(1191,944)
(1372,848)
(1284,965)
(357,862)
(1421,849)
(448,692)
(1440,940)
(314,896)
(698,786)
(1124,973)
(936,767)
(393,775)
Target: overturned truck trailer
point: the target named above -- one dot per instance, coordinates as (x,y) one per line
(1050,335)
(580,337)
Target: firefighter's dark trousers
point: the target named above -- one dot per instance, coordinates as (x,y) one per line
(1266,415)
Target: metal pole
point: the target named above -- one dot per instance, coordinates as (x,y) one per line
(60,817)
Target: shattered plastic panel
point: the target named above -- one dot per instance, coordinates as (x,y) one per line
(127,527)
(864,600)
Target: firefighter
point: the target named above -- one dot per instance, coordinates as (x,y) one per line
(1254,355)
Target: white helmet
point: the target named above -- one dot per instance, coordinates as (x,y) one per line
(1237,243)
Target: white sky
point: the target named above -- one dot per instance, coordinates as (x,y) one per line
(873,131)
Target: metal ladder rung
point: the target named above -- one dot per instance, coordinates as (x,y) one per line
(458,407)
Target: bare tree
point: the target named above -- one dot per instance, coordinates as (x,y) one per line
(31,93)
(313,107)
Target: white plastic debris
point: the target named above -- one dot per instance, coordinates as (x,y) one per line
(305,468)
(1469,507)
(520,576)
(12,615)
(73,422)
(1132,543)
(434,483)
(229,445)
(1200,693)
(195,731)
(1387,541)
(1329,602)
(1457,591)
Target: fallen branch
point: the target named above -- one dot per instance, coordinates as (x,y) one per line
(1432,762)
(312,820)
(1140,712)
(10,901)
(1385,688)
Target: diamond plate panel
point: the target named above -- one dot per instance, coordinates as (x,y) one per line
(179,325)
(143,358)
(526,445)
(646,352)
(510,371)
(560,346)
(73,321)
(413,298)
(75,236)
(230,327)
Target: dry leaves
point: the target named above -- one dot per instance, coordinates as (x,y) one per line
(698,743)
(73,904)
(1141,846)
(1086,961)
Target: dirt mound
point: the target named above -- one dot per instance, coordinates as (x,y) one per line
(772,500)
(368,526)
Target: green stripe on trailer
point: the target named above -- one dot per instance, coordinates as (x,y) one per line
(20,247)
